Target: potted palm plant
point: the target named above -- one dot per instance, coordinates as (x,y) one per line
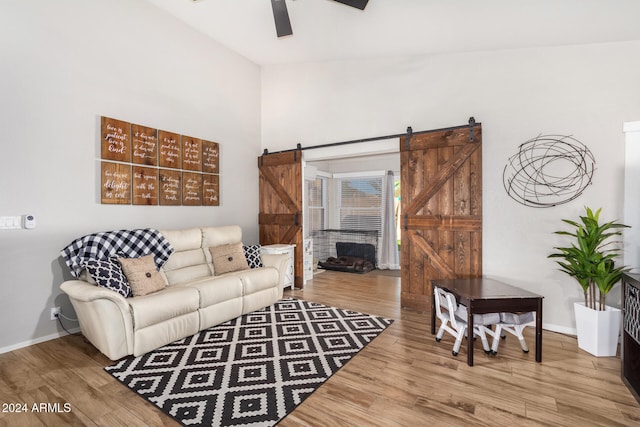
(591,261)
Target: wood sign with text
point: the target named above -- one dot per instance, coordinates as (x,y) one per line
(170,187)
(145,185)
(116,142)
(191,154)
(210,189)
(170,152)
(145,145)
(146,166)
(210,155)
(116,183)
(191,189)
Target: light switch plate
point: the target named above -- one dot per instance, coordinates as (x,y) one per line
(13,222)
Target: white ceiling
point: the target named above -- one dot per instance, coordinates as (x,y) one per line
(327,30)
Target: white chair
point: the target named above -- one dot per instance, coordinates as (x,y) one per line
(514,323)
(451,313)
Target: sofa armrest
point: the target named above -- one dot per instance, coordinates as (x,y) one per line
(280,262)
(83,291)
(104,317)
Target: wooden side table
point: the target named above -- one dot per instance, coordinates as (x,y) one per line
(283,249)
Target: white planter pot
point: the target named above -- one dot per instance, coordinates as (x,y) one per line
(598,330)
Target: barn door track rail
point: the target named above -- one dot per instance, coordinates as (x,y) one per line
(408,134)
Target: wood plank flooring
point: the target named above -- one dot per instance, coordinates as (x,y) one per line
(403,378)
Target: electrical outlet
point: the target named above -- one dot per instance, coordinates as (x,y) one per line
(55,311)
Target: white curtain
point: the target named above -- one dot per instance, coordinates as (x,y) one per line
(389,258)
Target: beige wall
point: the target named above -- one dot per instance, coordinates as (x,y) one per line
(66,63)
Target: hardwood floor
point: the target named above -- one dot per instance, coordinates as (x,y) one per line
(403,378)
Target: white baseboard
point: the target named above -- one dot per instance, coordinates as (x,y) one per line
(37,340)
(560,329)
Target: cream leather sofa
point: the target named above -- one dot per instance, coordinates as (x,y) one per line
(194,299)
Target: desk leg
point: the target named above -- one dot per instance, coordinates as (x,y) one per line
(433,313)
(539,331)
(469,336)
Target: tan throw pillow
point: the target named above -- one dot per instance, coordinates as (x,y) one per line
(228,258)
(142,275)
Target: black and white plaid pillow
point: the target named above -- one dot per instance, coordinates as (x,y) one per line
(108,274)
(252,254)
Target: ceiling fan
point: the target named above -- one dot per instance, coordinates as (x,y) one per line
(281,15)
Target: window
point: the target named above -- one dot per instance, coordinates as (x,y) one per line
(361,203)
(315,218)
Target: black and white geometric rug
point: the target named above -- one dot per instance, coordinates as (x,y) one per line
(253,370)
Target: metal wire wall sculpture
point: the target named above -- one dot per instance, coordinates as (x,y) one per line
(548,170)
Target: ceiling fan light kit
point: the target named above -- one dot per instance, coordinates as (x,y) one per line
(281,14)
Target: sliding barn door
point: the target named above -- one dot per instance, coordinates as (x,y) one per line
(280,217)
(441,202)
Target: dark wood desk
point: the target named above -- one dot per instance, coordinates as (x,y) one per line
(483,295)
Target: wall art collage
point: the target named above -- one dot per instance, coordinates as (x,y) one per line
(146,166)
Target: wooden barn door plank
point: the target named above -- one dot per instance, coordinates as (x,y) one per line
(441,202)
(280,204)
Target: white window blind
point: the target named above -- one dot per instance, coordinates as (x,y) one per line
(361,201)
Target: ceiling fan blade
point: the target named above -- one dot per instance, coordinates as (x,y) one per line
(281,18)
(358,4)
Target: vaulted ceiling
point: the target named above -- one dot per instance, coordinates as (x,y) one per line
(327,30)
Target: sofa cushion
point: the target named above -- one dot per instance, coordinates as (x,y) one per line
(217,236)
(228,258)
(214,290)
(167,304)
(188,261)
(186,266)
(108,274)
(183,240)
(142,275)
(258,279)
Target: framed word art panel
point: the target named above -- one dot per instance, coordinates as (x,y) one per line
(145,166)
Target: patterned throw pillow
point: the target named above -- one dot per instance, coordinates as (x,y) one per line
(252,254)
(142,275)
(108,274)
